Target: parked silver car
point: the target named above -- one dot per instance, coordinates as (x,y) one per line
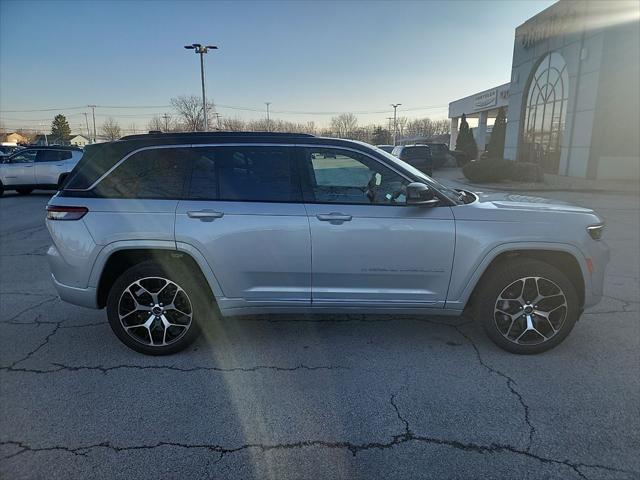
(159,229)
(37,167)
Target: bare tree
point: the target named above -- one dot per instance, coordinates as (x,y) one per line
(189,111)
(344,125)
(233,125)
(111,129)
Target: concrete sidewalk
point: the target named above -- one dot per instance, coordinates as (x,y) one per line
(553,183)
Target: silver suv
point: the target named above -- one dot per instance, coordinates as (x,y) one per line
(44,168)
(167,231)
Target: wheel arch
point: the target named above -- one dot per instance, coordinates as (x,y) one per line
(120,258)
(566,258)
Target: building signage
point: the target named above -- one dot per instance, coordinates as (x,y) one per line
(486,99)
(547,26)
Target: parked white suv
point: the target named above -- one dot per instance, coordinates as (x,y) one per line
(160,228)
(37,168)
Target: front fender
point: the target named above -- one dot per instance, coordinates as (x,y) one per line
(463,282)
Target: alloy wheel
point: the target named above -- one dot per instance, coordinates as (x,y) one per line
(155,311)
(530,310)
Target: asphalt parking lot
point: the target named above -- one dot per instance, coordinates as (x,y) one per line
(314,397)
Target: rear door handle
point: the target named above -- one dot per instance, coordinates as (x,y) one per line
(334,217)
(205,215)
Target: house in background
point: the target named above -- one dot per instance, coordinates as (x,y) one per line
(79,140)
(13,137)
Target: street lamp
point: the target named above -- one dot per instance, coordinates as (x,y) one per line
(395,122)
(200,49)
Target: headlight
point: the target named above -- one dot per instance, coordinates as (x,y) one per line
(595,231)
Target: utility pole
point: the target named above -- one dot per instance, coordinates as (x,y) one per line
(166,122)
(268,120)
(202,50)
(93,110)
(390,124)
(86,119)
(395,122)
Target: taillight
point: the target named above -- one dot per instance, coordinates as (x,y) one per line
(56,212)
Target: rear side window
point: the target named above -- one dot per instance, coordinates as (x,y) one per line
(156,173)
(249,174)
(52,155)
(415,153)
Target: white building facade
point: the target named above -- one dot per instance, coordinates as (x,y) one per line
(573,100)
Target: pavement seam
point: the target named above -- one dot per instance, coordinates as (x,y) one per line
(406,437)
(511,385)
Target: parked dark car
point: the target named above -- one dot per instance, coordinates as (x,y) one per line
(418,156)
(442,156)
(386,148)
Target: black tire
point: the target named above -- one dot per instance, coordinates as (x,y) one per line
(24,191)
(1,189)
(198,297)
(503,281)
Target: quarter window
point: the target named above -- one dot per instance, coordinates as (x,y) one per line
(155,173)
(339,176)
(52,155)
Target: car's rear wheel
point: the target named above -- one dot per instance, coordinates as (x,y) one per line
(526,306)
(24,191)
(1,189)
(154,310)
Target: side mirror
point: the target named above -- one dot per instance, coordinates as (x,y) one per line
(420,194)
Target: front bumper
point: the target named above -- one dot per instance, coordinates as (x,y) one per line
(599,255)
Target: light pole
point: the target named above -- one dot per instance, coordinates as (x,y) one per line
(268,120)
(202,50)
(395,122)
(93,109)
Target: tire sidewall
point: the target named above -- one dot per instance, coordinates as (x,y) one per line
(152,269)
(508,272)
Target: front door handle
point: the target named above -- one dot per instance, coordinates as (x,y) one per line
(205,215)
(334,217)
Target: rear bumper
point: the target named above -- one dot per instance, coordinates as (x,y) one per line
(84,297)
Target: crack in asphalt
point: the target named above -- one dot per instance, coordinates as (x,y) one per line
(72,368)
(31,307)
(35,350)
(627,305)
(407,436)
(511,385)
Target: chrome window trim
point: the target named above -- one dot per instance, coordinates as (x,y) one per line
(202,145)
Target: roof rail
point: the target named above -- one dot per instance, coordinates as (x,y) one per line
(214,134)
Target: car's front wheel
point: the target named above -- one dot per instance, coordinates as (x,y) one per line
(526,306)
(156,312)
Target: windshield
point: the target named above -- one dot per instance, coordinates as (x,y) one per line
(448,192)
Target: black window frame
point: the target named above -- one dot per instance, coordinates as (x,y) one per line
(22,152)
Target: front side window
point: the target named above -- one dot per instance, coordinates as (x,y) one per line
(156,173)
(245,174)
(24,157)
(340,176)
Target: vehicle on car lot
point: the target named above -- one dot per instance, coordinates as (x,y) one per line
(442,156)
(43,168)
(159,229)
(418,156)
(386,148)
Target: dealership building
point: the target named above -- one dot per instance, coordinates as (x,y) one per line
(573,101)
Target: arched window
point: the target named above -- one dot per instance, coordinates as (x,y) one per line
(545,114)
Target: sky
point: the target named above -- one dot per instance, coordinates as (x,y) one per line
(317,57)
